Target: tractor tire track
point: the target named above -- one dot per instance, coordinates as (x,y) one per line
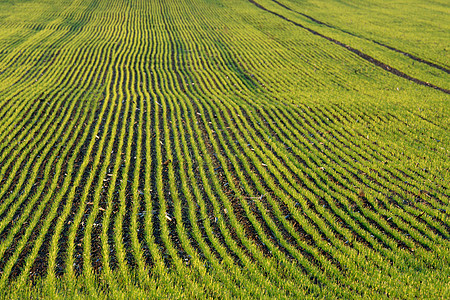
(361,54)
(413,57)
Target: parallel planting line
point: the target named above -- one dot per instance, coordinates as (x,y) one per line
(203,149)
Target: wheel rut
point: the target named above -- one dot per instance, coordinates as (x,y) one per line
(413,57)
(361,54)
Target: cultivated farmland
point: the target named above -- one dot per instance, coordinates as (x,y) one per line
(224,148)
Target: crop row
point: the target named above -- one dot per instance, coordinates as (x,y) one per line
(146,138)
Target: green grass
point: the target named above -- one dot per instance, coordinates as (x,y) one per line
(223,149)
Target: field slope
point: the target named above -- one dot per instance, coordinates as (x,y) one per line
(212,148)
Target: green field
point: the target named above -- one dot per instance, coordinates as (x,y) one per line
(224,149)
